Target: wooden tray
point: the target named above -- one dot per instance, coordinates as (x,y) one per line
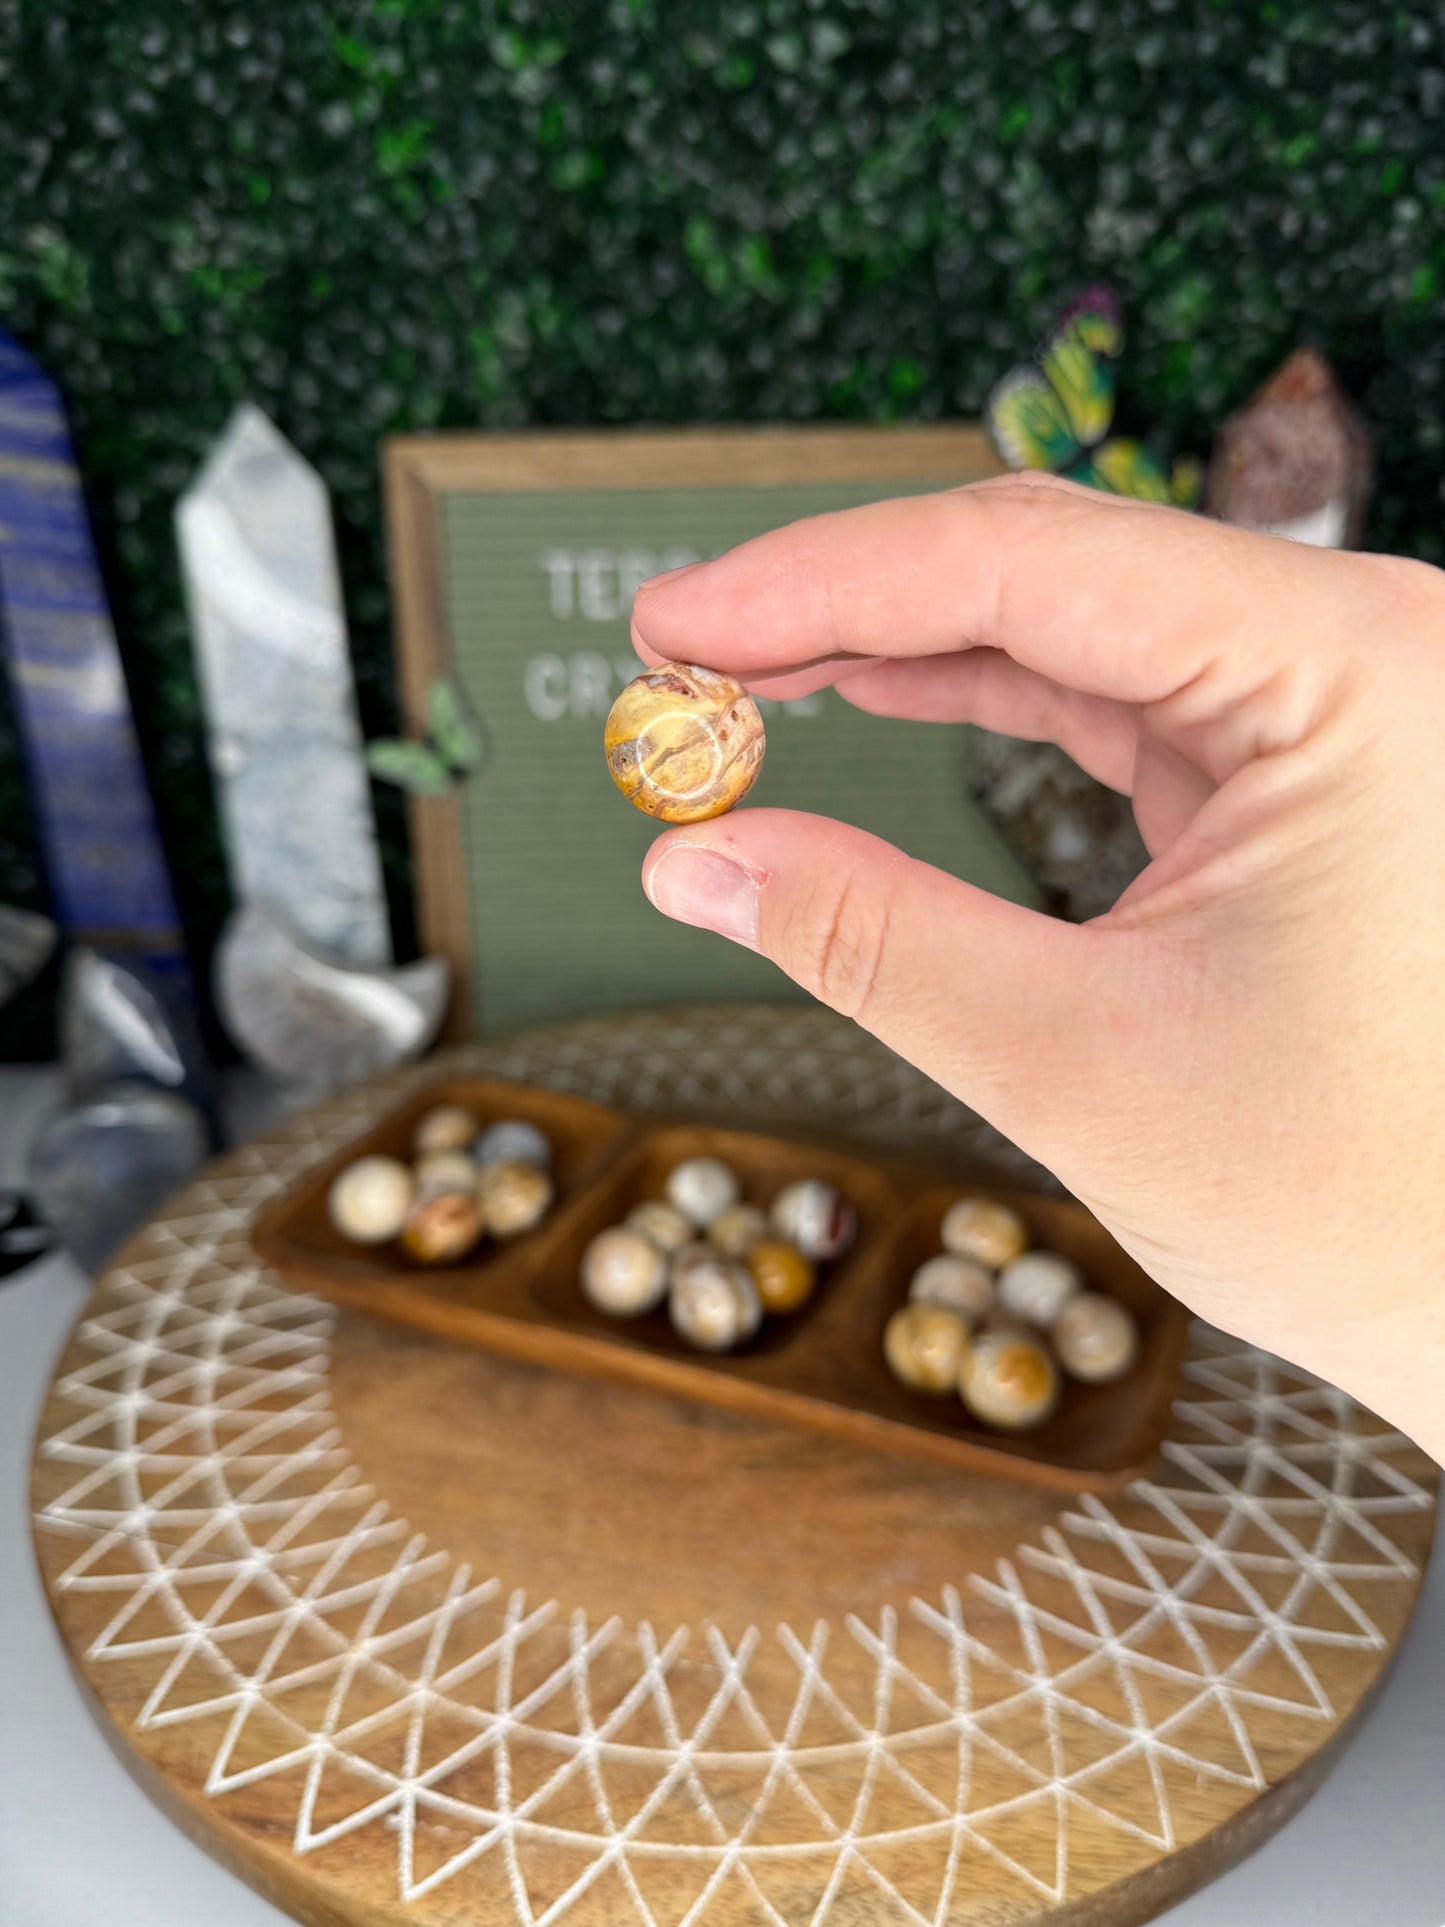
(822,1367)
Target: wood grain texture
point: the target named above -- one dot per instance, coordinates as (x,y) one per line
(409,1633)
(821,1368)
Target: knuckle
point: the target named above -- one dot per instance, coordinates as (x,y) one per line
(844,945)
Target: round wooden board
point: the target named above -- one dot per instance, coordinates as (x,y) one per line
(405,1634)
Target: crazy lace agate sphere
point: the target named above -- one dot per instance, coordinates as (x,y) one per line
(684,743)
(514,1198)
(925,1347)
(984,1230)
(713,1304)
(624,1273)
(443,1227)
(445,1127)
(1008,1379)
(662,1224)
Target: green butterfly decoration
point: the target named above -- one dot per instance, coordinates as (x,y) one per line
(451,751)
(1055,414)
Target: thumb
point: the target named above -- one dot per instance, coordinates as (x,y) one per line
(998,1003)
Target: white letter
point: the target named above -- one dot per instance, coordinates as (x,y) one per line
(591,686)
(559,565)
(545,687)
(596,596)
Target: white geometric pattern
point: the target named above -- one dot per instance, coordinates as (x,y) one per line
(1105,1679)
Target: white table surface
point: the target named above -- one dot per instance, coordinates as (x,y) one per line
(81,1846)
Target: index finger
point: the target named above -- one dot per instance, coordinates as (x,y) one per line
(1116,599)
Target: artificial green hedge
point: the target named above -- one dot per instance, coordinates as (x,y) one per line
(407,214)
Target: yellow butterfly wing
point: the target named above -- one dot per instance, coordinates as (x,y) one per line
(1084,383)
(1124,467)
(1029,422)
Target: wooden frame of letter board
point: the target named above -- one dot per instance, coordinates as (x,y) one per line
(420,470)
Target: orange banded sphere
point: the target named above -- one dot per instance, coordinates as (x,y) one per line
(684,743)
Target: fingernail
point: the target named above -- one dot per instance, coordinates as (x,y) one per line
(702,888)
(667,575)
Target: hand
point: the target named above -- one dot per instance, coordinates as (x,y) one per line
(1241,1068)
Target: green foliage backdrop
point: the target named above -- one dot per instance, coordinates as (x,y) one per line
(407,214)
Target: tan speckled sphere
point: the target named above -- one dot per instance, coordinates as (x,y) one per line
(984,1230)
(713,1304)
(783,1276)
(514,1198)
(925,1346)
(624,1273)
(667,1227)
(445,1127)
(684,743)
(1009,1380)
(443,1227)
(1095,1338)
(735,1231)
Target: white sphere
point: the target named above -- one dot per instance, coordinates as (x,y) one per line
(815,1217)
(512,1140)
(445,1127)
(1095,1338)
(1037,1286)
(958,1284)
(662,1222)
(702,1189)
(368,1202)
(714,1305)
(624,1273)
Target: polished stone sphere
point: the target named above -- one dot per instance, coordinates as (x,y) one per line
(684,743)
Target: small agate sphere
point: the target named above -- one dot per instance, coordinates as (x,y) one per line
(1037,1286)
(663,1223)
(702,1189)
(443,1226)
(684,743)
(445,1171)
(369,1200)
(958,1284)
(984,1230)
(512,1140)
(446,1127)
(624,1273)
(1095,1338)
(816,1218)
(713,1305)
(1008,1380)
(735,1231)
(925,1347)
(783,1276)
(514,1198)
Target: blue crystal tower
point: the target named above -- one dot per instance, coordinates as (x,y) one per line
(108,875)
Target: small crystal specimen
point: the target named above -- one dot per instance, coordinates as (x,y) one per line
(684,743)
(1296,460)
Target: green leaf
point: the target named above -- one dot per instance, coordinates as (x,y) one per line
(458,740)
(410,766)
